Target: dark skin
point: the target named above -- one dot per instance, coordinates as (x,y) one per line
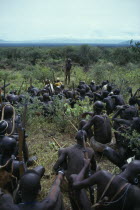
(124,152)
(118,100)
(52,202)
(122,126)
(12,98)
(73,157)
(130,193)
(102,128)
(92,87)
(126,112)
(109,104)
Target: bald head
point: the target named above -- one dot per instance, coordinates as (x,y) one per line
(30,185)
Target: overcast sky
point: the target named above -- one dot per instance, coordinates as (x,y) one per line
(86,19)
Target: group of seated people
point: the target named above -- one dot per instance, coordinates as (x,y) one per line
(89,186)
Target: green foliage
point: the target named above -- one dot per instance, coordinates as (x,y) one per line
(78,75)
(74,114)
(42,73)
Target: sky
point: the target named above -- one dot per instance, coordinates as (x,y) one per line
(72,19)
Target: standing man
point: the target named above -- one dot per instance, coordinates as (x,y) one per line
(67,71)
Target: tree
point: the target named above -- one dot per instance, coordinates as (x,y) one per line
(84,53)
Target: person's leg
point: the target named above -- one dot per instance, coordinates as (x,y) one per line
(97,146)
(69,77)
(114,157)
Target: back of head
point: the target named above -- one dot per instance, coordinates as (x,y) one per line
(8,145)
(98,105)
(80,136)
(46,97)
(133,170)
(30,185)
(116,91)
(3,127)
(105,93)
(132,100)
(8,111)
(109,87)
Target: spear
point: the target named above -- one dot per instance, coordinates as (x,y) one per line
(20,87)
(20,153)
(4,89)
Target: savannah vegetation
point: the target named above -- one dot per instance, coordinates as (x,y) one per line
(121,66)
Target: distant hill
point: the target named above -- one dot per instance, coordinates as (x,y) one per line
(128,42)
(66,42)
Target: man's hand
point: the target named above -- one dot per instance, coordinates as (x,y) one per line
(86,162)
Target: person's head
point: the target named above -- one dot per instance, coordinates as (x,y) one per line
(81,82)
(132,171)
(116,92)
(98,106)
(109,88)
(3,127)
(30,186)
(80,136)
(8,146)
(105,93)
(8,111)
(132,101)
(104,83)
(46,97)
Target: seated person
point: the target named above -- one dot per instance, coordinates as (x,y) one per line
(30,187)
(72,158)
(113,192)
(102,128)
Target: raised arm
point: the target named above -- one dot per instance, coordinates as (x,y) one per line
(54,193)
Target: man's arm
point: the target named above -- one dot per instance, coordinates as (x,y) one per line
(82,173)
(93,163)
(122,121)
(61,159)
(89,124)
(87,113)
(52,198)
(92,180)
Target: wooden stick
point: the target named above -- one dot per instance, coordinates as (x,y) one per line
(56,142)
(20,154)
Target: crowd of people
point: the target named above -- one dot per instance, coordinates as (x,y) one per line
(89,186)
